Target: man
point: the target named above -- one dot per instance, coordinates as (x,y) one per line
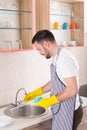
(64,99)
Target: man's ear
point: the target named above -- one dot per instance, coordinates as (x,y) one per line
(46,44)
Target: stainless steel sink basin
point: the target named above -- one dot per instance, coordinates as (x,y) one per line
(24,111)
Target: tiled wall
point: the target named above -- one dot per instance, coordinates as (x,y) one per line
(30,70)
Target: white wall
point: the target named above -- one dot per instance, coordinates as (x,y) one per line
(81,56)
(22,69)
(30,70)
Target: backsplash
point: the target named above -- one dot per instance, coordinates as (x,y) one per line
(25,69)
(29,70)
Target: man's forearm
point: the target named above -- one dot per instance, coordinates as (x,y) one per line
(46,88)
(70,90)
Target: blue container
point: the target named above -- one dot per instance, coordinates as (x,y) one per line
(65,26)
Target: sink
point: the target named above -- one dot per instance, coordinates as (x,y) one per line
(24,111)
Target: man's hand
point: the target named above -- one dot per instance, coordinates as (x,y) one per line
(30,96)
(47,102)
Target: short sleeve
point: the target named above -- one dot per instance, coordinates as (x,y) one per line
(67,65)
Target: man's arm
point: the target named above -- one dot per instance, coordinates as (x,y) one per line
(70,90)
(46,88)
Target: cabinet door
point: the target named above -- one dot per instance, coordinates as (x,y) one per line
(26,20)
(46,125)
(42,14)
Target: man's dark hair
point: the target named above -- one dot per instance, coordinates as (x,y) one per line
(43,35)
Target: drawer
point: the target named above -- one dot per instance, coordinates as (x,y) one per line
(46,125)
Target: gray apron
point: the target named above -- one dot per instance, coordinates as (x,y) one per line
(64,111)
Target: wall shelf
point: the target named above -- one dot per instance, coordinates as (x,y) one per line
(15,28)
(67,29)
(10,10)
(66,15)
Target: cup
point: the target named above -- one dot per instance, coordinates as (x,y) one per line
(18,44)
(73,25)
(7,45)
(65,26)
(56,25)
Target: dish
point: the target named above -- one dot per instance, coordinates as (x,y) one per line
(72,43)
(5,120)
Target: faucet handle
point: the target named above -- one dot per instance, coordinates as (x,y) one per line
(19,102)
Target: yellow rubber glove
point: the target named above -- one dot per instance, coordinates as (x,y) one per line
(47,102)
(30,96)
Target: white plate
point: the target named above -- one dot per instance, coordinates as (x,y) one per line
(5,120)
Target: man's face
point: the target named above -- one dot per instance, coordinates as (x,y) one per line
(43,49)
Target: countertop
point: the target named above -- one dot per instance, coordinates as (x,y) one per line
(84,99)
(21,123)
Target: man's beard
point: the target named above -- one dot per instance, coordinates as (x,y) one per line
(47,53)
(48,56)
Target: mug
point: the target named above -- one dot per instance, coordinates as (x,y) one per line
(56,25)
(65,26)
(73,25)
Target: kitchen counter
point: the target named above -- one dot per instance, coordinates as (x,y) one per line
(21,123)
(84,99)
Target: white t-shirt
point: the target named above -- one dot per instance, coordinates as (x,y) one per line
(67,66)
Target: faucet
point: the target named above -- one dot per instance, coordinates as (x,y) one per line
(16,99)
